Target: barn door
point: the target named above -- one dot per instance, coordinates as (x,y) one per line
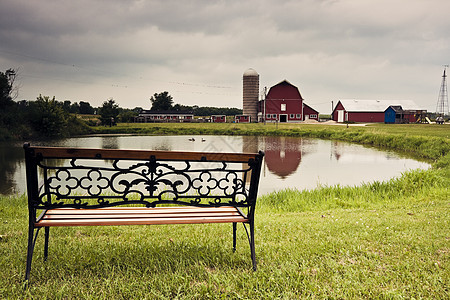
(340,116)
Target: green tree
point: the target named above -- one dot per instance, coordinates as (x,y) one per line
(12,123)
(6,103)
(6,87)
(127,116)
(74,108)
(108,112)
(66,105)
(180,107)
(86,108)
(48,118)
(162,101)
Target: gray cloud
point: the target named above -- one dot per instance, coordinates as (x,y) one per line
(128,50)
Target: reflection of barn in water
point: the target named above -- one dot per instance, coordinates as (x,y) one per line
(282,154)
(337,148)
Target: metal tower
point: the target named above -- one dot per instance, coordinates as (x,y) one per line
(442,104)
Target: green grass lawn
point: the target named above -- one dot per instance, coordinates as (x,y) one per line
(380,240)
(281,128)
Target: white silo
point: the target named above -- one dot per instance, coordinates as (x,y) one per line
(250,94)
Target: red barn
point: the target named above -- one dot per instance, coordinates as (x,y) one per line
(284,103)
(369,111)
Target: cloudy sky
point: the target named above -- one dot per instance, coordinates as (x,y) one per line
(197,50)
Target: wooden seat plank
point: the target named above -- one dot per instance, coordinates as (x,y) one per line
(139,215)
(119,210)
(141,221)
(129,216)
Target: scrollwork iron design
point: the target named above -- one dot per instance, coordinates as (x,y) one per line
(100,183)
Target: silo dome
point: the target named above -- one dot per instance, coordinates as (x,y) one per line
(250,94)
(251,72)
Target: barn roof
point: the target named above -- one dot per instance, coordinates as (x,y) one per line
(275,94)
(356,105)
(285,82)
(310,107)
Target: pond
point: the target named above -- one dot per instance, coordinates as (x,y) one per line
(300,163)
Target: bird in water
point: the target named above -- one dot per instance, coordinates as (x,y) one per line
(192,139)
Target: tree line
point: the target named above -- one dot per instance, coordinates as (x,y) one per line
(47,117)
(164,102)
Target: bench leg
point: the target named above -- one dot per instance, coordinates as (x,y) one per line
(29,252)
(251,241)
(252,244)
(234,236)
(47,233)
(30,249)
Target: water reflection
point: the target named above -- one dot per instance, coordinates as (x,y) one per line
(110,142)
(289,162)
(284,154)
(10,163)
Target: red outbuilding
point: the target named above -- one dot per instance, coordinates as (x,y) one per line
(242,119)
(373,111)
(310,113)
(218,119)
(150,116)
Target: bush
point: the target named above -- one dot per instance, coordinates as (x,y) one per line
(48,118)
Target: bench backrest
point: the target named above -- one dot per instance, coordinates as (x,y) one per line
(94,178)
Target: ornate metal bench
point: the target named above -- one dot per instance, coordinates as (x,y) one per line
(92,187)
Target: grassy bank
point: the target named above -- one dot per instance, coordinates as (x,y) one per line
(379,240)
(428,141)
(273,129)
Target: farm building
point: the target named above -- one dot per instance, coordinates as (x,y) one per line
(381,111)
(396,114)
(149,116)
(284,103)
(242,119)
(310,113)
(218,119)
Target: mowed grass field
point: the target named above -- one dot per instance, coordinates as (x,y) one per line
(380,240)
(283,128)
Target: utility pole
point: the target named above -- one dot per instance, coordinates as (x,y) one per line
(264,110)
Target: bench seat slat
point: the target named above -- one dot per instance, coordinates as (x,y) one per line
(120,210)
(129,216)
(140,221)
(139,216)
